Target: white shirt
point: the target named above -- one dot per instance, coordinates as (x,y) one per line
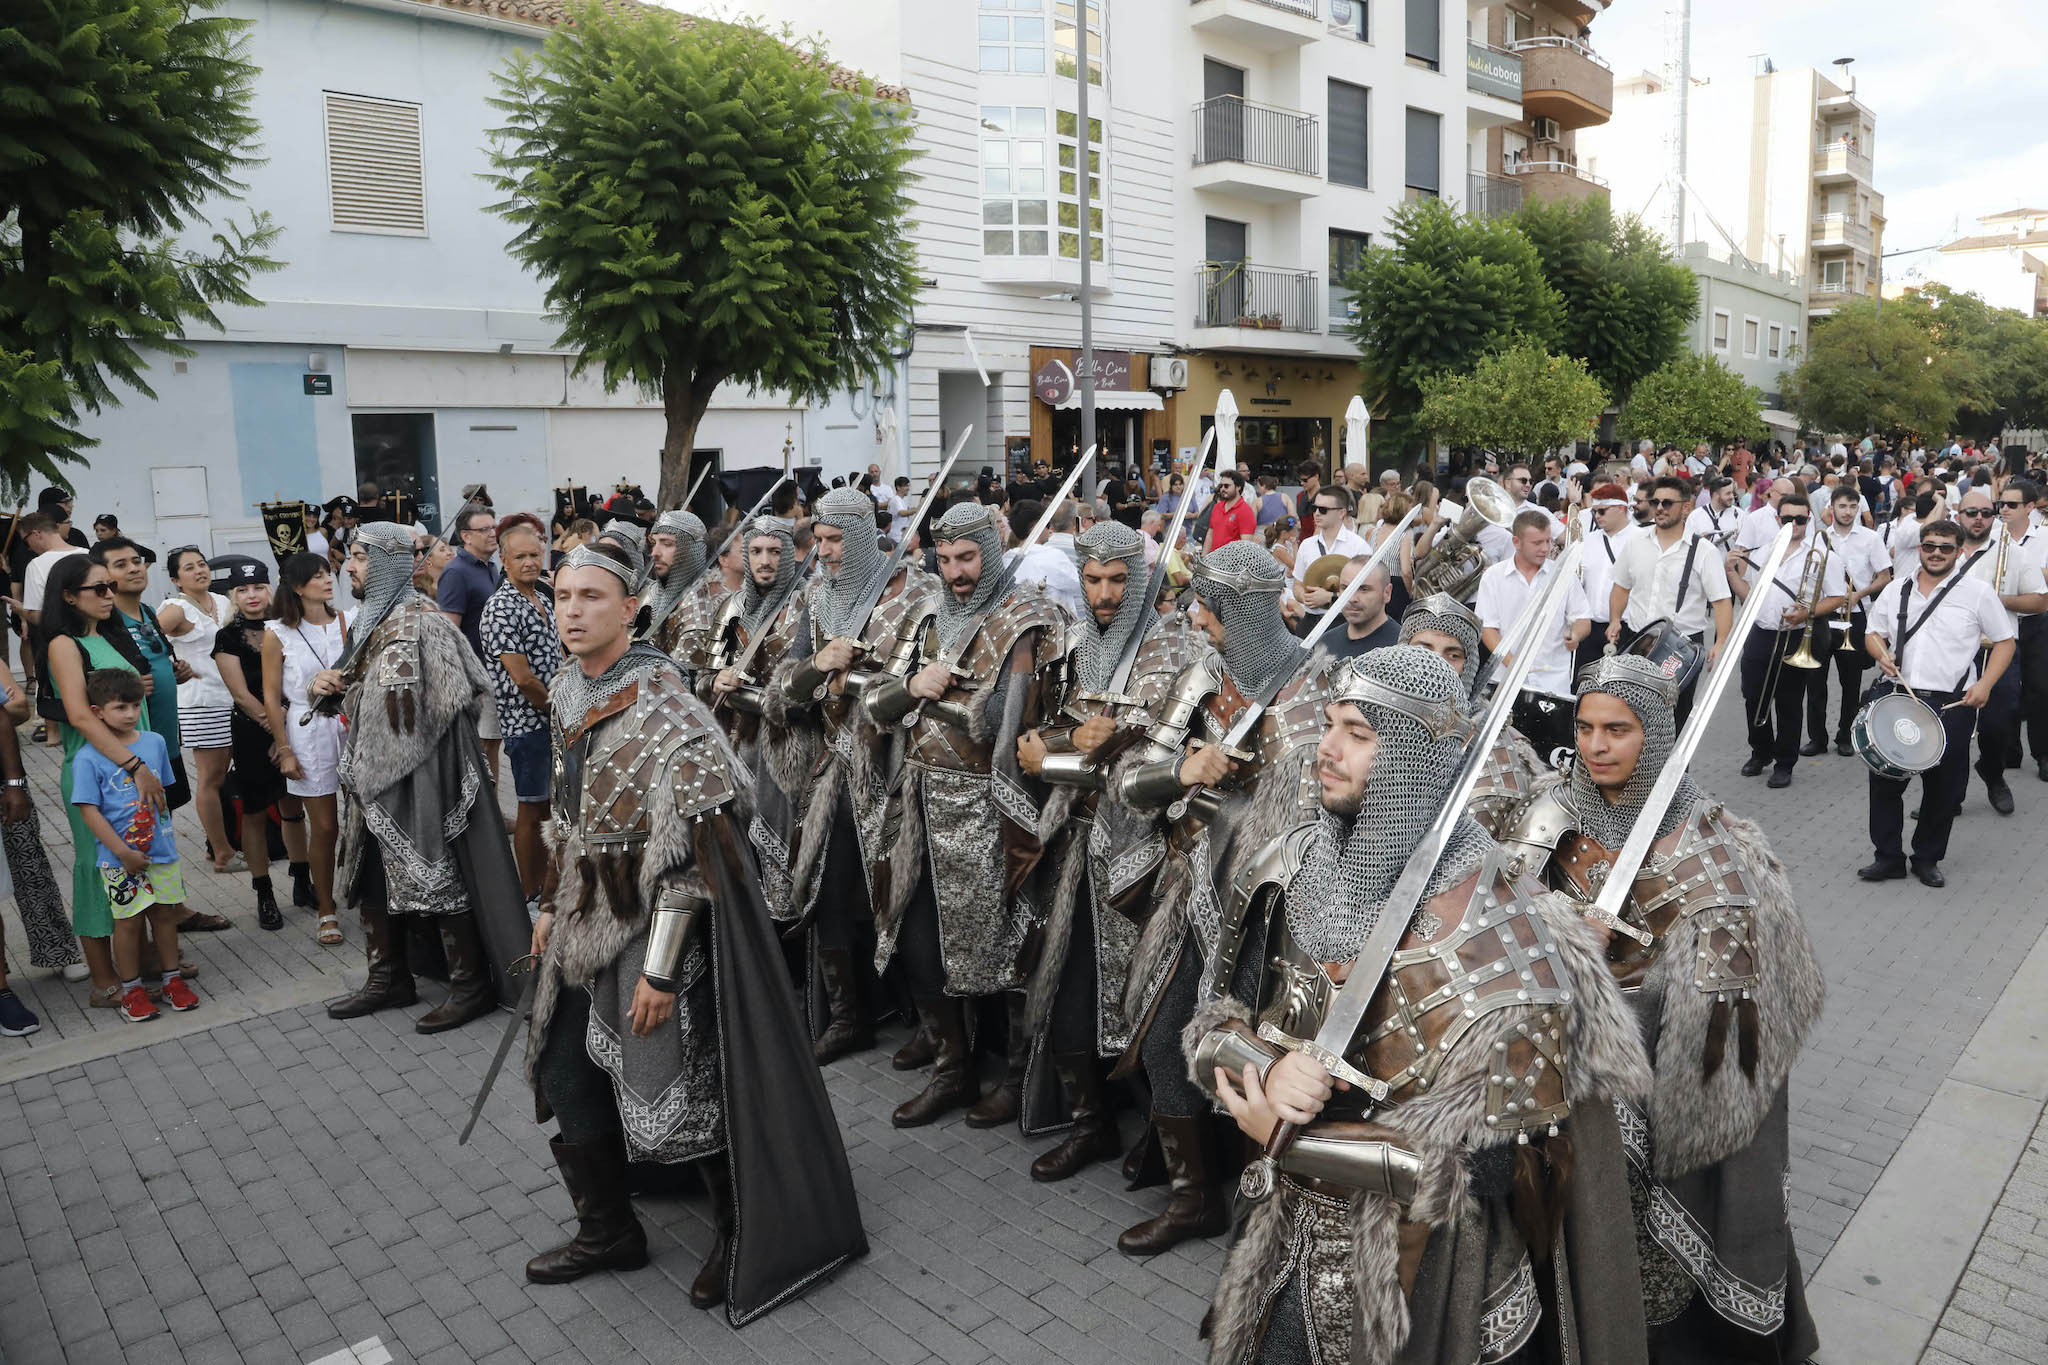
(1497,541)
(899,509)
(1346,542)
(1782,595)
(1503,596)
(1639,466)
(1942,655)
(1863,554)
(35,579)
(316,544)
(1052,563)
(1651,574)
(1838,449)
(2020,575)
(1714,524)
(1902,541)
(1759,528)
(1596,568)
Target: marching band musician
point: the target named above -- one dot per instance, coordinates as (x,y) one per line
(1673,573)
(1610,534)
(1918,631)
(1505,591)
(1988,555)
(1774,693)
(1717,518)
(2030,542)
(1866,568)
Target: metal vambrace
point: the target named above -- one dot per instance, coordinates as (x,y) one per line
(887,701)
(1150,786)
(745,699)
(1344,1154)
(807,684)
(668,933)
(1233,1046)
(1070,769)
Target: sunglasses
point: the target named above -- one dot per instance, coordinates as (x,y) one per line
(1664,502)
(2011,506)
(1795,521)
(103,589)
(1936,549)
(1975,512)
(1320,508)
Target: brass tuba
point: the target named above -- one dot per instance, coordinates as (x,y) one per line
(1453,564)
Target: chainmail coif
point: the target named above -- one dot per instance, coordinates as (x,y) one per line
(975,522)
(386,584)
(688,565)
(631,537)
(1338,893)
(1257,647)
(1442,612)
(1608,823)
(852,512)
(758,603)
(572,692)
(1096,650)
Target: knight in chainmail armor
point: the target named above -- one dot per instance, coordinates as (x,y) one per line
(964,904)
(675,561)
(663,1028)
(829,848)
(422,839)
(1449,629)
(1247,797)
(1726,993)
(1112,854)
(1471,1208)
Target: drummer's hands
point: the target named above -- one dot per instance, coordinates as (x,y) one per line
(1885,663)
(1978,695)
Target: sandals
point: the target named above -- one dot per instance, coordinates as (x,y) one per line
(330,930)
(199,922)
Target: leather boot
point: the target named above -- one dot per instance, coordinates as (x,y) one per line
(849,1029)
(708,1289)
(1093,1137)
(952,1085)
(917,1053)
(1000,1105)
(389,982)
(1197,1207)
(608,1235)
(470,993)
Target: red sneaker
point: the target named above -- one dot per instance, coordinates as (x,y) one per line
(135,1006)
(180,996)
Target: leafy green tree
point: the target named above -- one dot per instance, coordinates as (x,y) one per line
(1866,372)
(1441,291)
(1627,303)
(1694,398)
(1515,403)
(2001,358)
(705,203)
(119,121)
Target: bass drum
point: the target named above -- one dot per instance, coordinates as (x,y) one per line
(1898,736)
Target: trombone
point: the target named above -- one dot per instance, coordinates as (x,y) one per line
(1812,580)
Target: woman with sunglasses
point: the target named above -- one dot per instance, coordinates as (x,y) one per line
(305,637)
(80,633)
(191,617)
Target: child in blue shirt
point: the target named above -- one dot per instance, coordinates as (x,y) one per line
(138,854)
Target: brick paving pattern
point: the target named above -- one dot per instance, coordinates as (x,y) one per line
(293,1191)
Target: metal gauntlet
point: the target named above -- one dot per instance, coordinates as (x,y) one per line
(745,699)
(1070,770)
(1151,785)
(668,934)
(807,684)
(1232,1047)
(888,701)
(1372,1164)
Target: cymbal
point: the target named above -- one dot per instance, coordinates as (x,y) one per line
(1324,572)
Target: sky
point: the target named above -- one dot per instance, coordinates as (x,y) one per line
(1962,117)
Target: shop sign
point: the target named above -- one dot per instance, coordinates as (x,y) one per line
(1054,383)
(1492,72)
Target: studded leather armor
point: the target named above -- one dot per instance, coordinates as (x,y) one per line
(727,640)
(1203,704)
(687,635)
(892,640)
(942,737)
(605,774)
(1508,779)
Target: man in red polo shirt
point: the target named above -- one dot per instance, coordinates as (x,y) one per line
(1232,517)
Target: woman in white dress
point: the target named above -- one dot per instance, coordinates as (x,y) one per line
(191,617)
(305,635)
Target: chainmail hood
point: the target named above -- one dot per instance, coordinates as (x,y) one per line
(1096,650)
(1241,583)
(631,537)
(688,565)
(1413,701)
(1443,612)
(1651,695)
(388,581)
(852,512)
(758,603)
(575,694)
(975,522)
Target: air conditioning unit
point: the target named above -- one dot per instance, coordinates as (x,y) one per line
(1546,129)
(1169,372)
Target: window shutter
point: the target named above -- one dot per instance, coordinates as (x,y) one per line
(1426,30)
(375,175)
(1348,161)
(1425,151)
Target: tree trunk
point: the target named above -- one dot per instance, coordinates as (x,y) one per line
(684,400)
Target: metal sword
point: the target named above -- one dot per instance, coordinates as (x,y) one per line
(873,597)
(1155,577)
(527,967)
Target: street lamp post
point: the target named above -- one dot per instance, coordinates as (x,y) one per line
(1081,170)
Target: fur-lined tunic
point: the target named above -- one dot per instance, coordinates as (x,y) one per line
(981,825)
(774,821)
(1503,1071)
(1725,999)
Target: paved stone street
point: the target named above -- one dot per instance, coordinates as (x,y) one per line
(256,1182)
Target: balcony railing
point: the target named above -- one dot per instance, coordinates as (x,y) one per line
(1228,128)
(1842,158)
(1831,287)
(1491,196)
(1305,8)
(1554,168)
(1568,44)
(1839,229)
(1238,294)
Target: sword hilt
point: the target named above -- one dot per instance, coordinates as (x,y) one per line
(1262,1174)
(1614,923)
(1326,1059)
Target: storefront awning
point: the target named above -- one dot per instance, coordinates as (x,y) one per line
(1141,400)
(1774,418)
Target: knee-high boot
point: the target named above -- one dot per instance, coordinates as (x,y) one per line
(470,993)
(1197,1207)
(389,982)
(1000,1105)
(1093,1137)
(952,1085)
(608,1233)
(849,1029)
(708,1289)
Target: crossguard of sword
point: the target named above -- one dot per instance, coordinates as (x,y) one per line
(1326,1059)
(916,713)
(1614,923)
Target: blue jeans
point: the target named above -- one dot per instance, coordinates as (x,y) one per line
(532,757)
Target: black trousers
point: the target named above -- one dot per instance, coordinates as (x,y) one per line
(2032,662)
(1591,648)
(1941,794)
(843,886)
(1998,728)
(1773,719)
(917,939)
(575,1087)
(1166,1068)
(1548,723)
(1072,1025)
(1851,658)
(1819,682)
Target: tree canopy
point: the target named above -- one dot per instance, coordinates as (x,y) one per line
(1626,302)
(1516,403)
(119,121)
(1694,398)
(702,205)
(1888,373)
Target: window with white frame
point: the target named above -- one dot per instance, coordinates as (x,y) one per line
(1721,330)
(1352,19)
(1063,26)
(1750,328)
(1068,139)
(1777,346)
(1016,187)
(1792,343)
(376,170)
(1012,36)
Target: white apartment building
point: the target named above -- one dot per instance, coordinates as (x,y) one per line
(1779,165)
(2005,261)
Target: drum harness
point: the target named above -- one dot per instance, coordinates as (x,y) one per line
(1908,631)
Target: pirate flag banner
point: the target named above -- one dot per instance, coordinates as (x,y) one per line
(285,525)
(572,500)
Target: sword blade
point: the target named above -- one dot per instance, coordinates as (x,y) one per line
(1635,850)
(512,1027)
(881,585)
(752,512)
(1155,577)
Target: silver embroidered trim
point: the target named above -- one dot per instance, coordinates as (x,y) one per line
(687,1119)
(1509,1316)
(1013,801)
